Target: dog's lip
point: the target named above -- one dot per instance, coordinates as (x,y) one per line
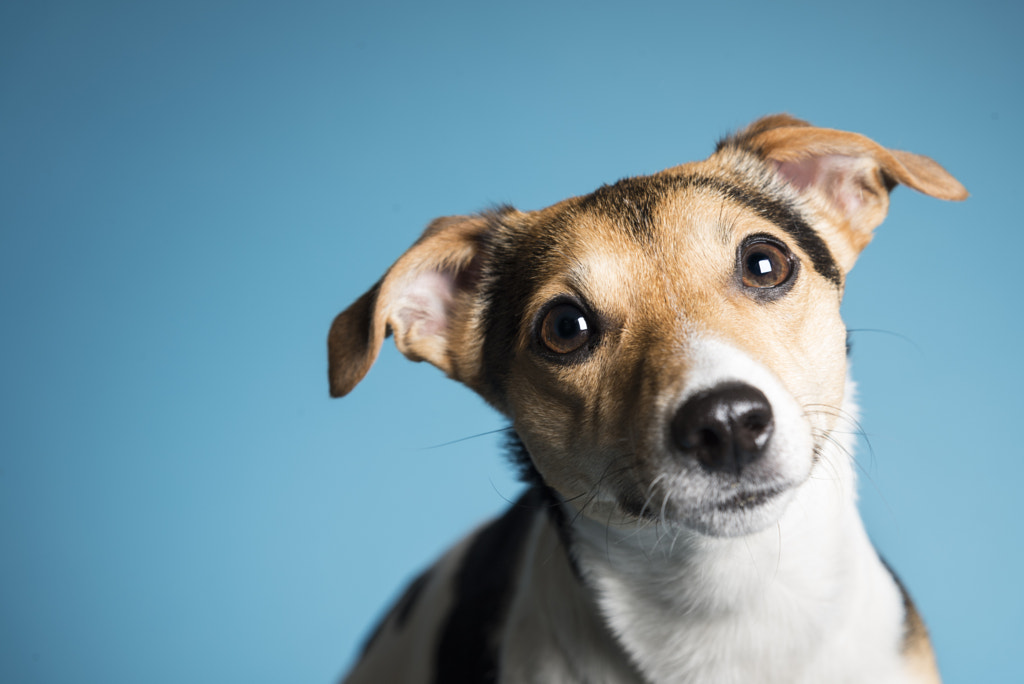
(749,499)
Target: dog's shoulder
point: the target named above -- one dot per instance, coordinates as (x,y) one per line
(447,625)
(916,644)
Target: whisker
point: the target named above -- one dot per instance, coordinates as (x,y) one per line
(841,413)
(836,478)
(464,439)
(499,493)
(592,494)
(662,519)
(650,493)
(836,412)
(778,555)
(675,538)
(891,333)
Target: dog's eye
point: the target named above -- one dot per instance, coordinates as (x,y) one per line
(765,265)
(565,329)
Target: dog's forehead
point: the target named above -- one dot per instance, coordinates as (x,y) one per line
(617,244)
(641,240)
(628,206)
(673,213)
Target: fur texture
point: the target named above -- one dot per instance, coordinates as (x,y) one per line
(670,354)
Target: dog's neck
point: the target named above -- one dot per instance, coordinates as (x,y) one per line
(687,607)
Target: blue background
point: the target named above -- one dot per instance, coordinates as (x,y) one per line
(190,191)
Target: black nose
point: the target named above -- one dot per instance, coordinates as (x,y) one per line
(724,428)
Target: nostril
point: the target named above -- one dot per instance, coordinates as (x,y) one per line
(693,436)
(757,425)
(724,428)
(709,438)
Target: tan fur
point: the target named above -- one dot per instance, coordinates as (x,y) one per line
(917,647)
(447,246)
(790,142)
(586,423)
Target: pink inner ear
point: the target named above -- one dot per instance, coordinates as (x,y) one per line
(424,305)
(840,178)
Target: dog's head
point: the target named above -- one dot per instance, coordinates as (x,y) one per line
(668,346)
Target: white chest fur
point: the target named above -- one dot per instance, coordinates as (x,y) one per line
(807,600)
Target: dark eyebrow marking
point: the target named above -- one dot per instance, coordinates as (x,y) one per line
(631,201)
(775,211)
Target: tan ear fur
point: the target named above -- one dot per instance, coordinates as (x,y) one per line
(924,174)
(848,174)
(353,343)
(795,142)
(414,300)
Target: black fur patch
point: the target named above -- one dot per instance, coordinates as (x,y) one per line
(467,651)
(631,202)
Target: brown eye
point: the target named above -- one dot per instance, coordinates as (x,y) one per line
(765,265)
(565,329)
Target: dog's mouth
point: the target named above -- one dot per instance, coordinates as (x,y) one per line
(715,509)
(729,500)
(748,500)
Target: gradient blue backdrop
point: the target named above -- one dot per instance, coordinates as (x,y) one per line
(190,191)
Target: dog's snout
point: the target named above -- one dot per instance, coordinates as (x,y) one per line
(724,428)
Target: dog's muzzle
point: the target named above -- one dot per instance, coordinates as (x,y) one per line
(725,428)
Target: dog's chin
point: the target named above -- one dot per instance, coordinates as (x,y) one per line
(734,514)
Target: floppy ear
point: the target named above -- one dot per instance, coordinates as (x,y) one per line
(415,300)
(846,174)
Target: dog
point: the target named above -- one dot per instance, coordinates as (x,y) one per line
(670,354)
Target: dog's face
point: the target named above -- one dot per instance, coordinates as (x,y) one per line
(672,354)
(668,347)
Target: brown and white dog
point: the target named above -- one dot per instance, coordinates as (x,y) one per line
(670,353)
